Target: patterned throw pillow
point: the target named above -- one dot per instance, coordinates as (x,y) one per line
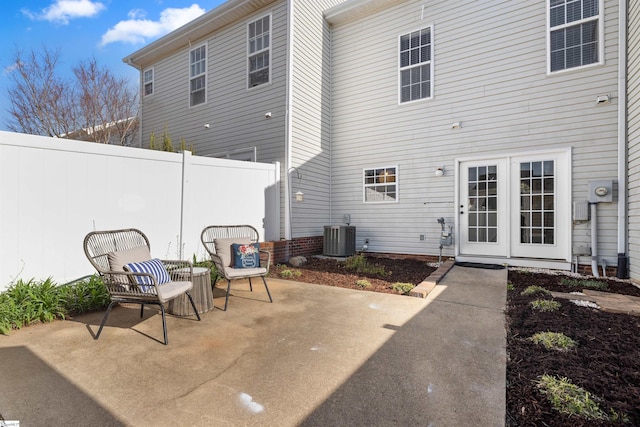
(153,267)
(246,256)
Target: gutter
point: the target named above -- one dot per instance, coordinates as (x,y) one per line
(622,266)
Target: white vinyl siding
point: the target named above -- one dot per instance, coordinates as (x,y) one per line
(633,112)
(198,75)
(148,82)
(259,51)
(416,65)
(575,33)
(504,102)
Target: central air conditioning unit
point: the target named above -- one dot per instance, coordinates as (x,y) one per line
(339,240)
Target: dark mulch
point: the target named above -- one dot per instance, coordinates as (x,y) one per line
(606,362)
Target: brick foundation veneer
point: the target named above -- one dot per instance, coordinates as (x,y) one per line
(282,250)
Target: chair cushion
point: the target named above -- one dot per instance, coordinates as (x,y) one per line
(170,290)
(246,256)
(237,273)
(224,250)
(153,267)
(118,259)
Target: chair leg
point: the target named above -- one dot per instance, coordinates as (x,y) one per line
(141,309)
(164,325)
(226,300)
(193,305)
(267,288)
(104,319)
(250,285)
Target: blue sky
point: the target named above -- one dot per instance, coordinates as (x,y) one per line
(108,30)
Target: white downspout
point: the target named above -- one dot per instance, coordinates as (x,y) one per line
(622,140)
(594,239)
(288,232)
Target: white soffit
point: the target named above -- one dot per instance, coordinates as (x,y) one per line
(354,9)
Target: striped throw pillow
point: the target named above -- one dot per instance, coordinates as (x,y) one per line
(153,267)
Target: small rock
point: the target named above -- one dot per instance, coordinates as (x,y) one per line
(297,261)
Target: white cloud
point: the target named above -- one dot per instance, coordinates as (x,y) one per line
(137,30)
(62,11)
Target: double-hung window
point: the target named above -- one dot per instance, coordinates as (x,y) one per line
(148,81)
(416,65)
(259,51)
(575,33)
(381,185)
(198,75)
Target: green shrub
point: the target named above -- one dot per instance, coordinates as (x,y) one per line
(533,290)
(359,264)
(363,283)
(554,341)
(545,305)
(290,274)
(403,288)
(24,303)
(584,283)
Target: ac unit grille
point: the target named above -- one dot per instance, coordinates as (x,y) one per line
(339,240)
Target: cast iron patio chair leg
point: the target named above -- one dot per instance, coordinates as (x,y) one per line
(226,300)
(193,305)
(104,319)
(164,325)
(141,309)
(267,288)
(250,285)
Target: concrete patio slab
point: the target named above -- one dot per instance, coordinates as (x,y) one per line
(317,356)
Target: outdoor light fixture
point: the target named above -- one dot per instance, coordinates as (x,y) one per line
(299,196)
(456,125)
(439,172)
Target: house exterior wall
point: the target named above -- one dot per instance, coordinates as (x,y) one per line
(490,75)
(310,116)
(633,123)
(235,114)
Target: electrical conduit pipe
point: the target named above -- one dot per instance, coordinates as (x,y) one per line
(594,239)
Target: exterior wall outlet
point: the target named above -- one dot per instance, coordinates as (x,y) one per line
(422,237)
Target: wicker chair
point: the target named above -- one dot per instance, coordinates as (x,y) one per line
(218,241)
(123,261)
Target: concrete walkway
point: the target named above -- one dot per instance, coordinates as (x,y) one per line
(317,356)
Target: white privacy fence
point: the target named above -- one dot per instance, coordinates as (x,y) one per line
(54,191)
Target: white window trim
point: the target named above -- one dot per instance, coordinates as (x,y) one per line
(249,54)
(431,66)
(365,186)
(206,68)
(153,82)
(600,19)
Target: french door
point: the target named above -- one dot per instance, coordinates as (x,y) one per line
(516,206)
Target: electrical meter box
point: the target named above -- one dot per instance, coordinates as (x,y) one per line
(601,191)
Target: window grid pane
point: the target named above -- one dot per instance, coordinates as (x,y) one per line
(197,71)
(380,185)
(483,204)
(537,202)
(258,45)
(415,65)
(574,37)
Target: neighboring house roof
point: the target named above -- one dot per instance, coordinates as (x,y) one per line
(193,31)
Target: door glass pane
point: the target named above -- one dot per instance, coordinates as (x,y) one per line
(483,204)
(537,211)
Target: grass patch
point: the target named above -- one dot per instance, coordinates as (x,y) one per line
(359,264)
(584,284)
(554,341)
(403,288)
(535,290)
(545,305)
(570,399)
